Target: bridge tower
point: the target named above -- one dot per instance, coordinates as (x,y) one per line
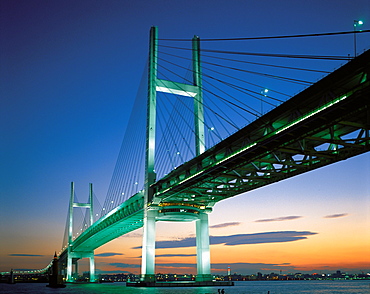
(152,206)
(74,256)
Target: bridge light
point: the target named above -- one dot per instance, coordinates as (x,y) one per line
(111,201)
(263,94)
(356,23)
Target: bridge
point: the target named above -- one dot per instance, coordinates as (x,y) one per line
(327,122)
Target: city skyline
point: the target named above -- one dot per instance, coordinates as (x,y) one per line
(69,76)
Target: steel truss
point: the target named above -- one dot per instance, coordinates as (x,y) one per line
(326,123)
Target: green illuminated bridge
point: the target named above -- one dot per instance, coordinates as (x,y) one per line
(325,123)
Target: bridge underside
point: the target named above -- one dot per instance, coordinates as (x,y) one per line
(124,219)
(326,123)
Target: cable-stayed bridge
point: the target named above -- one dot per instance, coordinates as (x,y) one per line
(328,121)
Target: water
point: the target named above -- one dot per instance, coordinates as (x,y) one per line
(257,287)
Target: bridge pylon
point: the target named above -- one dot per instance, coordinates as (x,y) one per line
(154,209)
(72,255)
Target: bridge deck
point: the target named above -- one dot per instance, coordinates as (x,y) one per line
(125,218)
(327,122)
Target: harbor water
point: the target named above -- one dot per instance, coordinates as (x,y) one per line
(250,287)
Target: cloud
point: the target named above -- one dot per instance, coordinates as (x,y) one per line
(278,219)
(175,255)
(132,235)
(112,272)
(108,254)
(186,242)
(124,265)
(25,255)
(170,255)
(260,238)
(224,225)
(240,239)
(336,215)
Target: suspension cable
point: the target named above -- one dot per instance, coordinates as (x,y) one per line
(248,62)
(218,97)
(325,57)
(275,37)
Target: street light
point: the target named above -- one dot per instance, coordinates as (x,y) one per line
(356,23)
(263,94)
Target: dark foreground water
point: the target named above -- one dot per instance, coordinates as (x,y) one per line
(258,287)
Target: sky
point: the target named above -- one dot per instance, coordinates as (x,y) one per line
(69,73)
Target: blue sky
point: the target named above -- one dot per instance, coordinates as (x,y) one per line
(69,74)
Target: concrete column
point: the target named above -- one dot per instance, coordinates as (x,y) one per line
(198,99)
(148,248)
(75,262)
(92,268)
(70,234)
(203,252)
(69,268)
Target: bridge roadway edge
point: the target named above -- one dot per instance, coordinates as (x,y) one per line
(332,94)
(125,218)
(115,216)
(129,215)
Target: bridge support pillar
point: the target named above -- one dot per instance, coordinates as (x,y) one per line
(72,259)
(203,252)
(69,268)
(75,263)
(92,268)
(148,249)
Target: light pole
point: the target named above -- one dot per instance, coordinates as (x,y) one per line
(263,94)
(356,23)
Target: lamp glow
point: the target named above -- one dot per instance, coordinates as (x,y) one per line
(356,23)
